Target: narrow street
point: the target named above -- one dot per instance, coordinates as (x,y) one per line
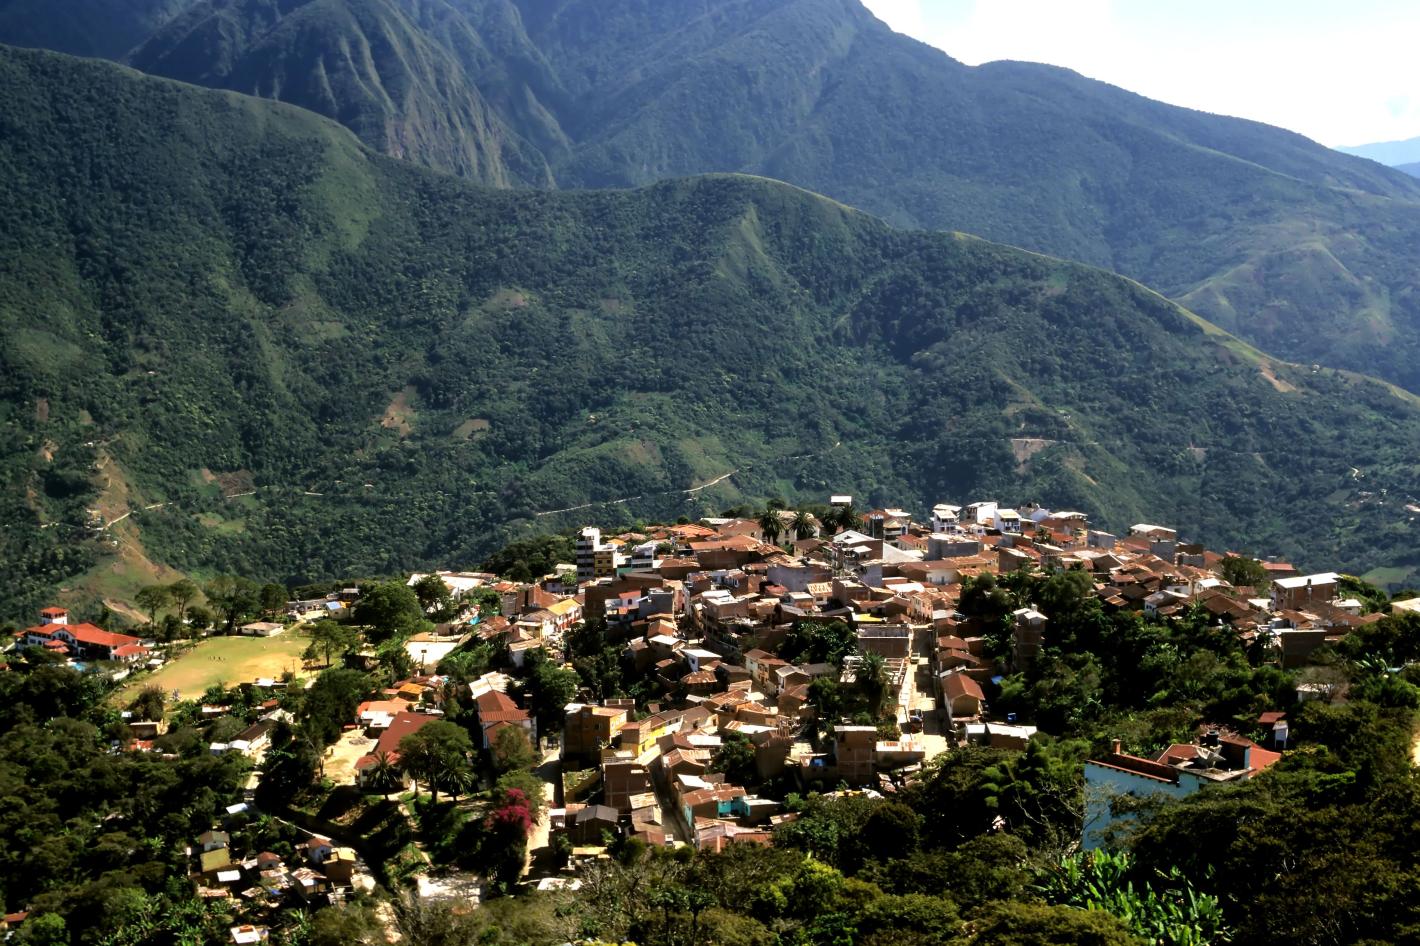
(935,734)
(549,771)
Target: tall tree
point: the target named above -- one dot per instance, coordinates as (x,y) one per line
(153,599)
(512,749)
(553,687)
(150,703)
(332,638)
(435,598)
(272,598)
(1242,572)
(182,591)
(435,752)
(383,774)
(389,609)
(234,598)
(872,680)
(846,517)
(735,759)
(330,702)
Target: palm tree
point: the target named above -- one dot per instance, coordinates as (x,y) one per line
(418,764)
(384,774)
(872,677)
(803,524)
(846,517)
(771,525)
(459,780)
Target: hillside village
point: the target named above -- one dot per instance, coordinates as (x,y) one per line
(687,685)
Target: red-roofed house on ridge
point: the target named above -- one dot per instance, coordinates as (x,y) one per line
(81,640)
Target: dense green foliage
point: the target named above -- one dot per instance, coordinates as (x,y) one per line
(1304,251)
(91,836)
(402,368)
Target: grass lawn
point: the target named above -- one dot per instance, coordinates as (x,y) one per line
(1390,577)
(225,660)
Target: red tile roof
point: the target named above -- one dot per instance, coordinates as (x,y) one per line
(959,684)
(86,634)
(495,707)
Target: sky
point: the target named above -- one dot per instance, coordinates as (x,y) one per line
(1342,72)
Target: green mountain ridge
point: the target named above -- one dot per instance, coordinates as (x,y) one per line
(1303,251)
(396,80)
(105,28)
(253,345)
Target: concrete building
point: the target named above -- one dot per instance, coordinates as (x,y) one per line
(595,558)
(1027,636)
(1294,594)
(587,728)
(1179,771)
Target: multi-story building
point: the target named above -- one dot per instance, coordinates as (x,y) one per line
(854,748)
(1294,594)
(595,558)
(623,778)
(1027,635)
(587,729)
(945,518)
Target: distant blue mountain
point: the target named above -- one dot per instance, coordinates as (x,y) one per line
(1390,153)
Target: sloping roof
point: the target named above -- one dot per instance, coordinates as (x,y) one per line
(402,725)
(495,707)
(596,813)
(959,684)
(86,634)
(215,860)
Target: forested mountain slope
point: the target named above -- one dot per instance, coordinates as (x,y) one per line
(1306,252)
(395,73)
(279,353)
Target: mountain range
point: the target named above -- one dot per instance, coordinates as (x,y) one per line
(235,339)
(1391,153)
(1305,252)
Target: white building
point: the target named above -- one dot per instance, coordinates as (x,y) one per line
(945,518)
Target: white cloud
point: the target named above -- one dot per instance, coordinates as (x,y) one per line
(905,16)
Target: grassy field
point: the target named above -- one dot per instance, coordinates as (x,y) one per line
(225,660)
(1391,578)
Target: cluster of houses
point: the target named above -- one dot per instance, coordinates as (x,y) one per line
(702,609)
(702,613)
(260,884)
(410,704)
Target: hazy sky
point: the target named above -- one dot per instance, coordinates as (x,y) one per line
(1344,72)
